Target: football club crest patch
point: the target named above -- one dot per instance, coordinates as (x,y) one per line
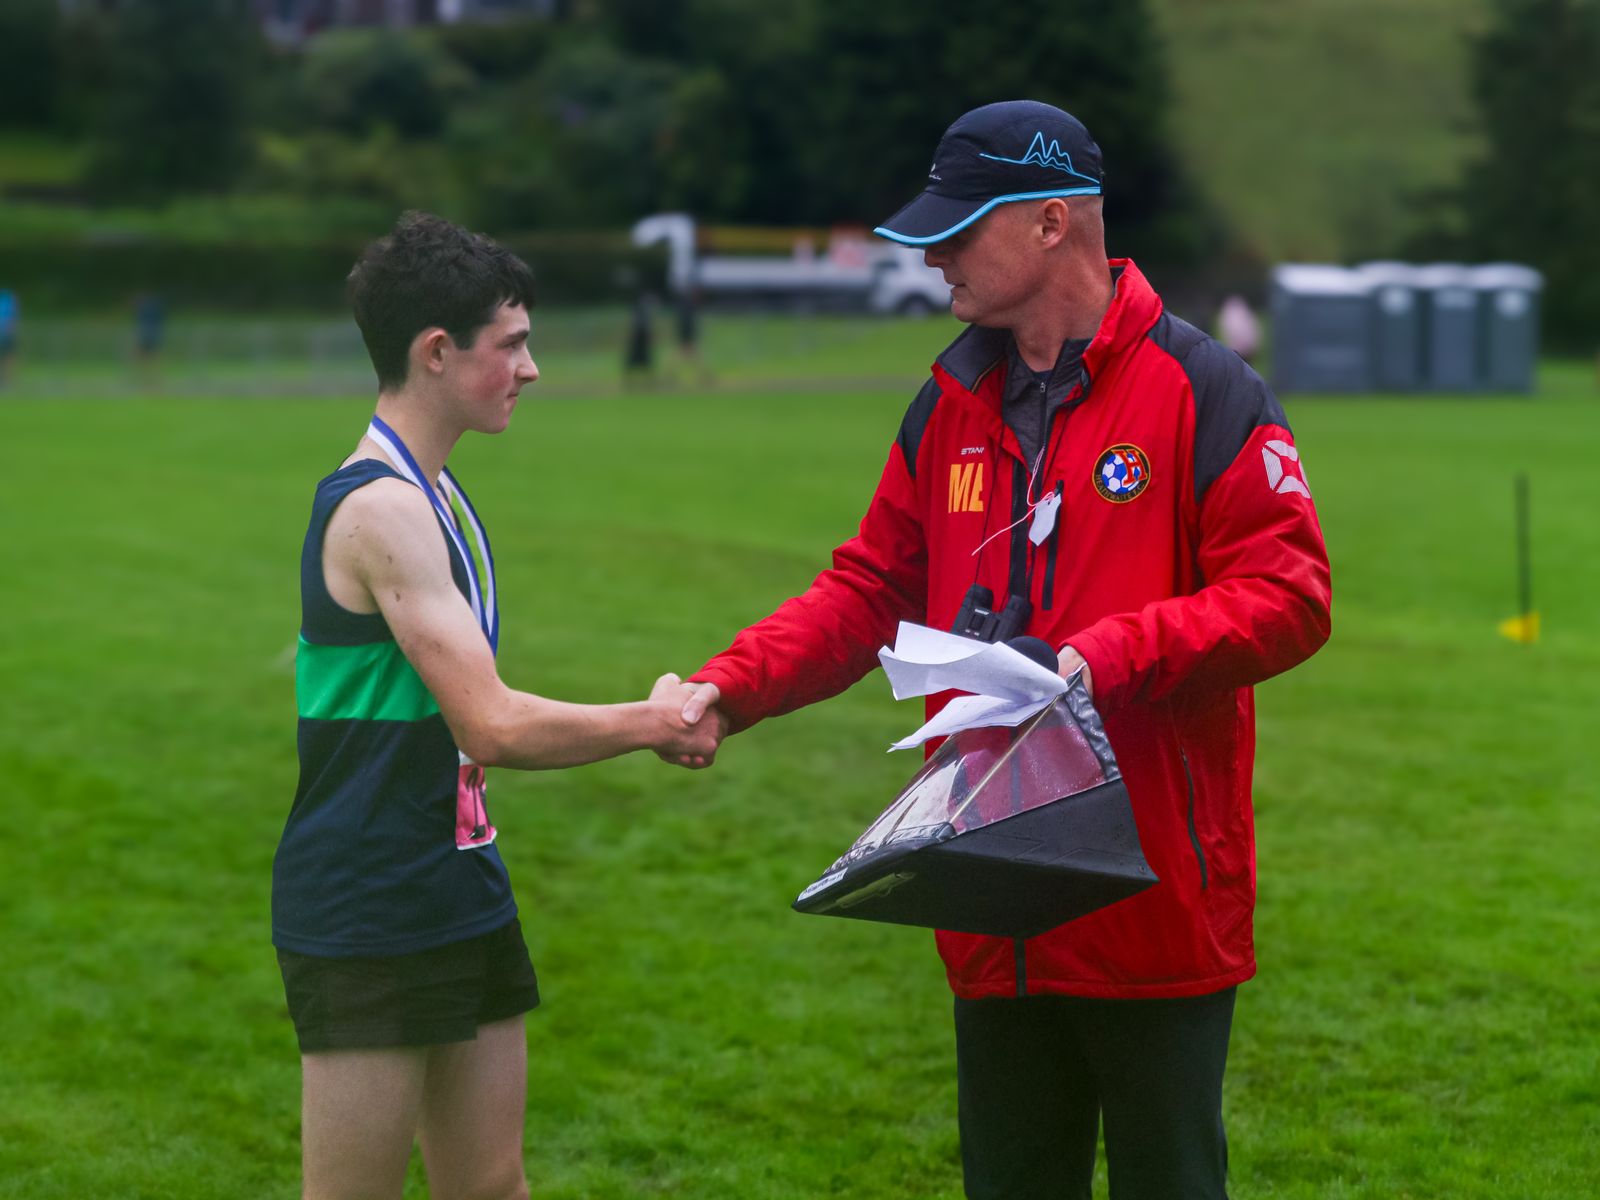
(1122,473)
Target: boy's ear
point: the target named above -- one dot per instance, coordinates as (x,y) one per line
(428,349)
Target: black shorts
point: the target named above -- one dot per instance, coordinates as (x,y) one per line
(421,999)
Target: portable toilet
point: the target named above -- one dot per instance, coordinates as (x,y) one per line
(1508,303)
(1321,329)
(1397,362)
(1450,337)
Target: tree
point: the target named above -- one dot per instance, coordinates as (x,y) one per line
(890,78)
(174,113)
(704,157)
(30,53)
(357,80)
(1533,193)
(570,146)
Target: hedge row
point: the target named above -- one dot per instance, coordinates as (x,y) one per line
(85,273)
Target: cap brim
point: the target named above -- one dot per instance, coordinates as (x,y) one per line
(931,217)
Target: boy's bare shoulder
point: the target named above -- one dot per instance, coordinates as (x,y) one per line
(387,514)
(386,494)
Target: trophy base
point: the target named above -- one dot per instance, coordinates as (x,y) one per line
(1015,877)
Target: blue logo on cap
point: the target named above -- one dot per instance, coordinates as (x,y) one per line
(1052,156)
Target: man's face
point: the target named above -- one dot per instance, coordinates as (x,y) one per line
(990,273)
(487,377)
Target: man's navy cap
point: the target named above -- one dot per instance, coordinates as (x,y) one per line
(1013,150)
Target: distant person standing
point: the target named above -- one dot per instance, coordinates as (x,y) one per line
(1238,329)
(639,357)
(688,319)
(149,329)
(10,314)
(149,325)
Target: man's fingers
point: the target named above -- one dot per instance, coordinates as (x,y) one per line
(665,686)
(1070,660)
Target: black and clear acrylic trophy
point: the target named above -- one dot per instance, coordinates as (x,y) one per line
(1008,831)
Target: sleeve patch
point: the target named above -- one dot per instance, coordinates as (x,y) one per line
(1286,475)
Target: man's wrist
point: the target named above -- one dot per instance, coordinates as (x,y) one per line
(1070,662)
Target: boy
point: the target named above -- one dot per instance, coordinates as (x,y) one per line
(402,959)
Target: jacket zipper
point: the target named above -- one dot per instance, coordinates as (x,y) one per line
(1020,945)
(1194,835)
(1047,589)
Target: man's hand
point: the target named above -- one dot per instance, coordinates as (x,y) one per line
(1070,660)
(703,727)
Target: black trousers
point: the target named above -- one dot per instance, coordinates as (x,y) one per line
(1037,1074)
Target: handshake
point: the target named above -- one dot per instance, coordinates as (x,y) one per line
(687,726)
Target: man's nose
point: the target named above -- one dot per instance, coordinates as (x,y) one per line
(528,369)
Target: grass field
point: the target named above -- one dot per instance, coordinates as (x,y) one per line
(1424,1024)
(579,352)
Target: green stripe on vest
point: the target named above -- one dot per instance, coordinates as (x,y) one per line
(369,682)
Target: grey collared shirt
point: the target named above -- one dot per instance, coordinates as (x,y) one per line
(1032,398)
(1029,401)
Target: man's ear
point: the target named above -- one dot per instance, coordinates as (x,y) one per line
(1052,221)
(428,349)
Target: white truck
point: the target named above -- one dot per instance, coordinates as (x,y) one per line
(856,272)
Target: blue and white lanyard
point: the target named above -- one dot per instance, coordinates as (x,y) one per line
(485,603)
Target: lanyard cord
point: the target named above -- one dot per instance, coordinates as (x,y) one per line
(1033,478)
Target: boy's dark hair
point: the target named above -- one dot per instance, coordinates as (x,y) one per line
(426,273)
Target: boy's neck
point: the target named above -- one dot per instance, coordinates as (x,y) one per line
(429,440)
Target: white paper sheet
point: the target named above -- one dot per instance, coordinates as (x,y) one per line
(1006,687)
(924,661)
(972,712)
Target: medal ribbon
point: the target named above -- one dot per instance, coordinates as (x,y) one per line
(484,599)
(473,829)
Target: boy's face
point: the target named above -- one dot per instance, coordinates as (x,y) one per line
(486,378)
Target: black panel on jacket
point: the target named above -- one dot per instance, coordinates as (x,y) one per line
(1230,400)
(975,353)
(915,424)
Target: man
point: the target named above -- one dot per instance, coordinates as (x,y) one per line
(149,330)
(10,318)
(403,962)
(1176,559)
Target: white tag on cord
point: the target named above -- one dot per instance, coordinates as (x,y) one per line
(1044,518)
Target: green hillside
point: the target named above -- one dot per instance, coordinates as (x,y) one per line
(1311,122)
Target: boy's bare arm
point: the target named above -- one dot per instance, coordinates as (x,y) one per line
(385,539)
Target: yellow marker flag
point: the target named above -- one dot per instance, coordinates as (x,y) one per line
(1523,629)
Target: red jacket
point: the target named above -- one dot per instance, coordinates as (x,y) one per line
(1186,566)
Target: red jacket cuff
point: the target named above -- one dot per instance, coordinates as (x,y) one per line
(1106,666)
